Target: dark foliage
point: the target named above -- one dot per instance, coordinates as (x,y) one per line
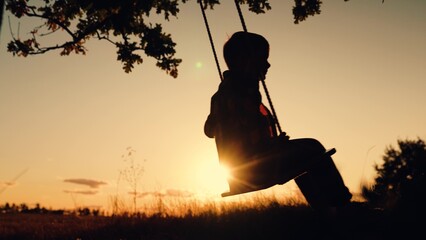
(400,183)
(122,23)
(1,12)
(23,208)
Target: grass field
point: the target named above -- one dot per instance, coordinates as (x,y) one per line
(266,221)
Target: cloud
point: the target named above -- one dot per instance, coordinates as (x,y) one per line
(83,192)
(146,194)
(179,193)
(167,193)
(87,182)
(7,184)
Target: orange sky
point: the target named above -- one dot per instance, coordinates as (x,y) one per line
(352,77)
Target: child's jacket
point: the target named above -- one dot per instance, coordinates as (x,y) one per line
(243,128)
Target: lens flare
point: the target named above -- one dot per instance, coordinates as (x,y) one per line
(213,176)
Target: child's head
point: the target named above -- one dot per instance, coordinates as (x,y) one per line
(247,53)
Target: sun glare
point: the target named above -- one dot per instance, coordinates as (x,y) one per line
(198,65)
(213,176)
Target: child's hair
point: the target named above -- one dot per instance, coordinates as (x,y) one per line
(243,46)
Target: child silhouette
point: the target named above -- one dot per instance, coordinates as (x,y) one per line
(247,140)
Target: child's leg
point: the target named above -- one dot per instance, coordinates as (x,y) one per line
(322,185)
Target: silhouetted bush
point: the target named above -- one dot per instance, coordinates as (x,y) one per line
(400,183)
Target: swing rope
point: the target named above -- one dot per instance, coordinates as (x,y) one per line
(211,39)
(240,14)
(262,79)
(272,106)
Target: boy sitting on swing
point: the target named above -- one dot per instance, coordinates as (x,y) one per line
(247,140)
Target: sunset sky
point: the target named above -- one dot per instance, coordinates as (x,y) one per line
(352,77)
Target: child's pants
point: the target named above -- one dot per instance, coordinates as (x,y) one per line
(322,185)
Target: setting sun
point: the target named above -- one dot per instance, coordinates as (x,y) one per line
(213,176)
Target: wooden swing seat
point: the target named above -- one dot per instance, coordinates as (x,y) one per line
(240,189)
